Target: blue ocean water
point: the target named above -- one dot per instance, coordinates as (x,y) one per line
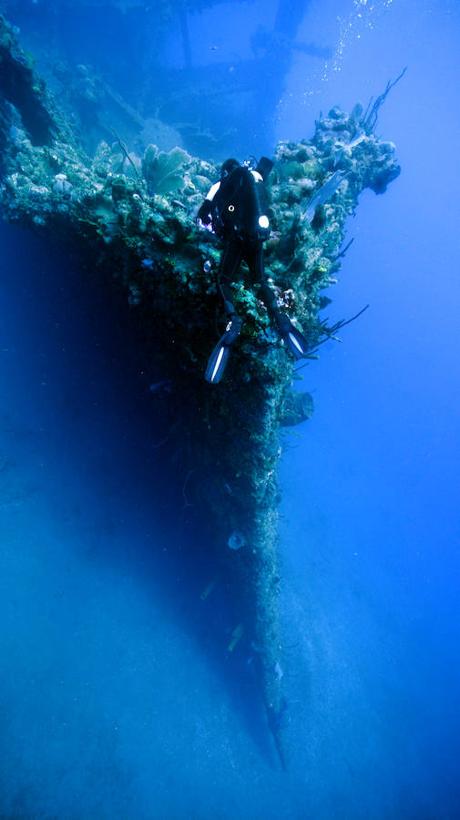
(113,701)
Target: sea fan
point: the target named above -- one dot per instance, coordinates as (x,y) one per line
(164,170)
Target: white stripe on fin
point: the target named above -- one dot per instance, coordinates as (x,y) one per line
(295,343)
(217,364)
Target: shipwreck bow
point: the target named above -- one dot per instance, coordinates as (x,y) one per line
(135,216)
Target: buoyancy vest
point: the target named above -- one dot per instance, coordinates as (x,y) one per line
(240,207)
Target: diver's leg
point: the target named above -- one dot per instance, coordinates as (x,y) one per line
(230,262)
(228,269)
(293,338)
(255,258)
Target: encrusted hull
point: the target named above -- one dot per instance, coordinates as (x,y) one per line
(136,218)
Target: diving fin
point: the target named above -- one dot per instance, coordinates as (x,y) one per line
(217,363)
(218,359)
(295,341)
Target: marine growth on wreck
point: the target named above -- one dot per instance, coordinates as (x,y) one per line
(135,217)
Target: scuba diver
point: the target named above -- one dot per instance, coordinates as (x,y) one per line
(235,209)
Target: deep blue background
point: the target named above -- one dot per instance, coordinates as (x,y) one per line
(111,703)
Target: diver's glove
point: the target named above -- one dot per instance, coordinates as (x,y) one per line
(294,340)
(219,357)
(264,166)
(204,213)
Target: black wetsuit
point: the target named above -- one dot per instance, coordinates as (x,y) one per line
(234,208)
(235,252)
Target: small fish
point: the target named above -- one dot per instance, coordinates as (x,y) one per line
(323,194)
(207,590)
(158,387)
(237,634)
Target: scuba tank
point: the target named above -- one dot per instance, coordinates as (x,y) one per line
(240,207)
